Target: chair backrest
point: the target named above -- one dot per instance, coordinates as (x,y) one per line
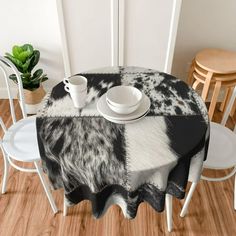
(229,108)
(5,65)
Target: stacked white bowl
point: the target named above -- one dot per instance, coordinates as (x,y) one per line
(123,99)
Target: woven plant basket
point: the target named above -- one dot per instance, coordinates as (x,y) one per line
(33,99)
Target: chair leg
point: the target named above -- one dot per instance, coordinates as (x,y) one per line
(46,187)
(65,208)
(5,174)
(169,211)
(188,199)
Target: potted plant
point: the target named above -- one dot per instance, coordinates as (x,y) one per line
(25,58)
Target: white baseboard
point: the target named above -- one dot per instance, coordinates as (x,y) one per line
(4,94)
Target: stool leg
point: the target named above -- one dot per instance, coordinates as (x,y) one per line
(233,109)
(223,104)
(234,192)
(190,73)
(228,98)
(214,99)
(206,85)
(227,102)
(195,84)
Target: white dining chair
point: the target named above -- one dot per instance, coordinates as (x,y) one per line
(221,153)
(19,142)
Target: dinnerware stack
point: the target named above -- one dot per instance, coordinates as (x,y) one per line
(123,104)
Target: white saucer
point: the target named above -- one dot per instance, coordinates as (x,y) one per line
(126,121)
(108,114)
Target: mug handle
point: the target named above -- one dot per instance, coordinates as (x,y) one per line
(66,88)
(65,81)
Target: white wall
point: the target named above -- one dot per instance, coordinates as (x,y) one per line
(146,31)
(147,25)
(88,33)
(88,29)
(34,22)
(203,24)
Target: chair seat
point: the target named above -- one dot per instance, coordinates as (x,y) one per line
(222,148)
(20,140)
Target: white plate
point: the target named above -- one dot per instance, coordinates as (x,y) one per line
(126,121)
(105,110)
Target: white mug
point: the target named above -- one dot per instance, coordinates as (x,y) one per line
(77,87)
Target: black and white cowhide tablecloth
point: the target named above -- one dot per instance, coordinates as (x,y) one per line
(92,158)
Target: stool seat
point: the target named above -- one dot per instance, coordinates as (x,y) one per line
(201,79)
(217,61)
(222,77)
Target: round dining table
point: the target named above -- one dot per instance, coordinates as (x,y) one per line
(127,164)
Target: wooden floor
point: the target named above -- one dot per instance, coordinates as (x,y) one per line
(24,210)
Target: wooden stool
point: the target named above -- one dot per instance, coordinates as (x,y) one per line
(214,67)
(195,82)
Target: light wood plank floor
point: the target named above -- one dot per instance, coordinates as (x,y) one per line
(24,210)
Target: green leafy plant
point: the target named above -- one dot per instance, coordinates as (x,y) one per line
(25,58)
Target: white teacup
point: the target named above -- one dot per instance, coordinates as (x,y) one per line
(77,87)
